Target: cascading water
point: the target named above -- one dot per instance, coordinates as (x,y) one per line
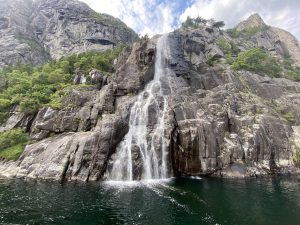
(143,154)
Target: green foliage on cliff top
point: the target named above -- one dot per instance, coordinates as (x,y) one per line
(33,87)
(200,22)
(12,143)
(248,32)
(258,61)
(193,23)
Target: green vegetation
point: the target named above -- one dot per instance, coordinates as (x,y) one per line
(258,61)
(144,37)
(193,23)
(289,116)
(212,61)
(218,24)
(233,32)
(246,33)
(224,45)
(229,48)
(34,87)
(292,72)
(296,155)
(13,153)
(12,143)
(201,22)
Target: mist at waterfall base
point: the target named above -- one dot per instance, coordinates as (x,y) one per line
(180,201)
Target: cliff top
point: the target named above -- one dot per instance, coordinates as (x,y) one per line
(254,20)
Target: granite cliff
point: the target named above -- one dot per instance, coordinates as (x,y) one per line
(38,31)
(219,121)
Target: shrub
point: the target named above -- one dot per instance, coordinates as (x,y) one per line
(289,117)
(191,23)
(296,155)
(229,49)
(13,153)
(233,32)
(212,61)
(251,31)
(294,75)
(258,61)
(224,45)
(246,33)
(11,138)
(218,24)
(12,143)
(34,87)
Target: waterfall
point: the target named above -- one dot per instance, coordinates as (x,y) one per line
(143,153)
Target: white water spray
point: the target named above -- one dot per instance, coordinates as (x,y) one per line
(145,146)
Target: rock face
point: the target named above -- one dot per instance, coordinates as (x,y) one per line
(290,42)
(75,143)
(252,22)
(37,31)
(219,122)
(277,41)
(17,39)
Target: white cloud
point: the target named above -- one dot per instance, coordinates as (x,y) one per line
(160,16)
(144,16)
(283,14)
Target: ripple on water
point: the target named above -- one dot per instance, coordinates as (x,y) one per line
(151,202)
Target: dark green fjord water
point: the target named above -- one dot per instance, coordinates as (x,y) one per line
(180,201)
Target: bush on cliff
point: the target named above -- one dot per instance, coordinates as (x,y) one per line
(246,33)
(33,87)
(258,61)
(12,143)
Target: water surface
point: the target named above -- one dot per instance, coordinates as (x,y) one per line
(178,201)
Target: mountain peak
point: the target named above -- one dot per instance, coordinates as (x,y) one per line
(254,20)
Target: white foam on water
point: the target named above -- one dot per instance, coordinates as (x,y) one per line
(195,178)
(135,183)
(170,199)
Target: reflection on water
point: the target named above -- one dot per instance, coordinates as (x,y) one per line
(174,201)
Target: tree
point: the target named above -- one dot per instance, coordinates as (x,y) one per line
(188,23)
(199,20)
(218,24)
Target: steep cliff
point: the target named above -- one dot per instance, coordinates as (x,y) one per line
(279,42)
(37,31)
(223,117)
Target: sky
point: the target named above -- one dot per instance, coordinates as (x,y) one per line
(160,16)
